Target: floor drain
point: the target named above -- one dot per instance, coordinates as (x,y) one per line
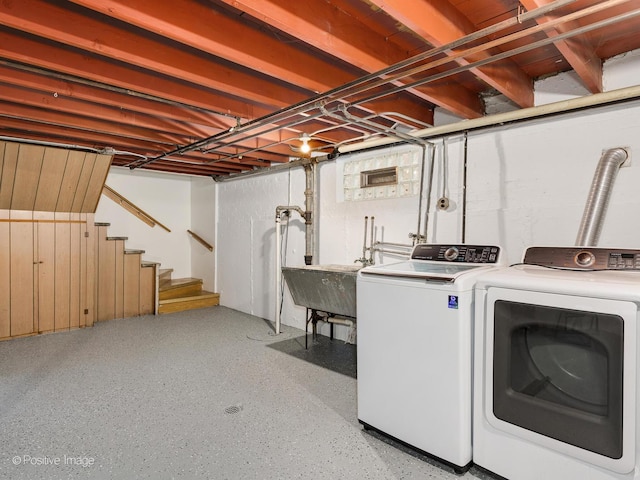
(233,409)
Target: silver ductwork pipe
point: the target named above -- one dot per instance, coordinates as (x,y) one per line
(598,200)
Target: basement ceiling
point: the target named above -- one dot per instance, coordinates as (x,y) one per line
(220,87)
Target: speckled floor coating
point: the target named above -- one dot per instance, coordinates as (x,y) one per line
(210,393)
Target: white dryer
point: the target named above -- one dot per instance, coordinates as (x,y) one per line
(414,348)
(555,366)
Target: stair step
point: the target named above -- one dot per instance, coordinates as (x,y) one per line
(164,276)
(201,300)
(179,287)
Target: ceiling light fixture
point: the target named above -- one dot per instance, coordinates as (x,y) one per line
(305,147)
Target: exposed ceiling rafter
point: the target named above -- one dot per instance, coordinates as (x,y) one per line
(216,87)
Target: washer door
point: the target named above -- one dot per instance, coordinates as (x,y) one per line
(558,372)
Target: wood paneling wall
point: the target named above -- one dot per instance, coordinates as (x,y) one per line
(58,270)
(47,272)
(50,179)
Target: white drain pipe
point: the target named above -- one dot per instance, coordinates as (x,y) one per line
(307,215)
(278,271)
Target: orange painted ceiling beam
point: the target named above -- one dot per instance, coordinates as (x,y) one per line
(72,90)
(44,55)
(206,159)
(206,162)
(35,130)
(188,169)
(191,25)
(97,112)
(576,50)
(84,32)
(88,124)
(32,129)
(202,171)
(440,23)
(199,25)
(65,97)
(61,104)
(330,29)
(83,108)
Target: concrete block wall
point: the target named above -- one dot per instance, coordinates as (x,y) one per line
(527,184)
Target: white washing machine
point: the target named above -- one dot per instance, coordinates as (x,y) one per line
(414,348)
(555,366)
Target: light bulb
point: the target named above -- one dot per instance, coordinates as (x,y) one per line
(305,148)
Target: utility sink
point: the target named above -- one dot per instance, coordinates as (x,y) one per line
(327,288)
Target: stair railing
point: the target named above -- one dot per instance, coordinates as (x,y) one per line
(201,240)
(131,207)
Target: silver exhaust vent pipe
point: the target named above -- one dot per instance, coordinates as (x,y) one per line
(598,199)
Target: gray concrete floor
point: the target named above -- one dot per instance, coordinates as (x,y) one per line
(210,393)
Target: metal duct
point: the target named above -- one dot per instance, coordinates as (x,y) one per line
(598,199)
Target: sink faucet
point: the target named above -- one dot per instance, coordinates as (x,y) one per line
(365,261)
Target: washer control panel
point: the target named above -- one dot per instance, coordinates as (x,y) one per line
(587,258)
(461,253)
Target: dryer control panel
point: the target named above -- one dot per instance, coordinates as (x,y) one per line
(583,258)
(462,253)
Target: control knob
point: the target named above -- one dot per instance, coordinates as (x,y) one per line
(585,258)
(451,253)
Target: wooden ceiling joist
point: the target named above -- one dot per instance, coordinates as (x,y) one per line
(213,87)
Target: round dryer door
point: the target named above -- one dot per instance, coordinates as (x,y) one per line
(573,363)
(558,372)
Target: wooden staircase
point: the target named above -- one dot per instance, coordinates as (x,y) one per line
(179,294)
(126,284)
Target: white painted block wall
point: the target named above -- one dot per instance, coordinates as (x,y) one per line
(526,184)
(165,197)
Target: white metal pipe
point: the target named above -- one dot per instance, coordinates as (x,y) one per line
(404,245)
(393,252)
(309,215)
(370,248)
(280,209)
(340,321)
(531,113)
(364,241)
(278,274)
(49,144)
(563,106)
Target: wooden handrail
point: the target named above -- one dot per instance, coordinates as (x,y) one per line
(131,207)
(201,240)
